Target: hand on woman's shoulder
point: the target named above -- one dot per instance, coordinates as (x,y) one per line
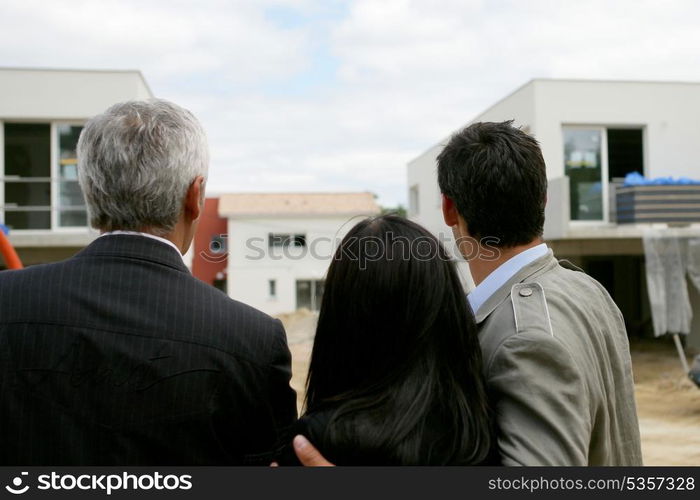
(313,427)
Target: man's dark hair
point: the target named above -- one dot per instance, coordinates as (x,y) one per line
(495,175)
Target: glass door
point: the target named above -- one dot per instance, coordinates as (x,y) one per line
(309,294)
(586,166)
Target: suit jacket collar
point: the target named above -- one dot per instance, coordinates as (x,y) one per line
(135,247)
(543,263)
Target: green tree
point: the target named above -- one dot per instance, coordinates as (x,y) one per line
(399,210)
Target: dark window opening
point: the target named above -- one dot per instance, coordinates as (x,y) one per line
(27,176)
(625,152)
(623,276)
(286,240)
(27,149)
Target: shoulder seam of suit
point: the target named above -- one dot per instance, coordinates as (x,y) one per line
(134,257)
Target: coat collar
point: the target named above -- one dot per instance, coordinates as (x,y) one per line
(546,262)
(135,247)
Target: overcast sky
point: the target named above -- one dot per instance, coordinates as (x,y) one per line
(330,95)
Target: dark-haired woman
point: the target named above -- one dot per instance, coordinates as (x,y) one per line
(395,373)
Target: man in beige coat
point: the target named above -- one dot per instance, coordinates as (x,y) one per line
(555,350)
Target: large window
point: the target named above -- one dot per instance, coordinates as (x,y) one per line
(40,177)
(594,156)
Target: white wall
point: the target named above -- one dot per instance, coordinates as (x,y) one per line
(250,265)
(422,171)
(518,106)
(557,212)
(668,112)
(65,94)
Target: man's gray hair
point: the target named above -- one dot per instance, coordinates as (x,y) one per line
(135,163)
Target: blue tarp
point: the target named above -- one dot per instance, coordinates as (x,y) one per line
(637,179)
(4,229)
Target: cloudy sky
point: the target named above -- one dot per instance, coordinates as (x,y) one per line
(334,95)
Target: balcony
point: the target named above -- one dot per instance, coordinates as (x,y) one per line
(640,208)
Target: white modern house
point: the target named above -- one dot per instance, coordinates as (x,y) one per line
(42,112)
(281,244)
(592,134)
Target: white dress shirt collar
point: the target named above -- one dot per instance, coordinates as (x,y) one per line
(147,235)
(483,291)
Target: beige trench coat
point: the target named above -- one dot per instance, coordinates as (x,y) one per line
(557,365)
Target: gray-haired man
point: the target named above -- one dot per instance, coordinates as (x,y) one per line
(119,356)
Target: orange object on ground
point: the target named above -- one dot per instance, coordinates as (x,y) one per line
(8,252)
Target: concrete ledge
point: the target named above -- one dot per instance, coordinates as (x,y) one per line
(596,246)
(51,239)
(33,256)
(615,231)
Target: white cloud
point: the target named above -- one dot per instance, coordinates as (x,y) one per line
(167,40)
(397,75)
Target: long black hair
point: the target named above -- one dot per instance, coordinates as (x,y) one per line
(396,359)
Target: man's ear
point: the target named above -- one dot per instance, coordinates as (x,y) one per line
(449,211)
(193,199)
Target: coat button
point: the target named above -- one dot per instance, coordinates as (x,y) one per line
(525,292)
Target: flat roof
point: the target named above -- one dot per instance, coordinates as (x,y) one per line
(286,204)
(80,70)
(549,80)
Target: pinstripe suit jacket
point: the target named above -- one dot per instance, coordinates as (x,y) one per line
(119,355)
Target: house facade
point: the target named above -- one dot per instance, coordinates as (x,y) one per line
(281,244)
(592,134)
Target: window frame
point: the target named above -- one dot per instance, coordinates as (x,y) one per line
(315,301)
(26,208)
(54,180)
(274,240)
(604,167)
